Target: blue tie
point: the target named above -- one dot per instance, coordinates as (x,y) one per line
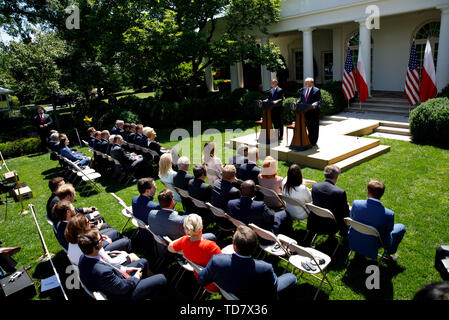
(273,91)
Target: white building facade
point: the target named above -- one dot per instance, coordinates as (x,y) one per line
(313,36)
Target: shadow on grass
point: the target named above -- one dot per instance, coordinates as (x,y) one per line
(356,277)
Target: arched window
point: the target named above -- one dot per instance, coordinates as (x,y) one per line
(429,31)
(353,44)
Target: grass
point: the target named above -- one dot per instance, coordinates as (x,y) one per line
(417,190)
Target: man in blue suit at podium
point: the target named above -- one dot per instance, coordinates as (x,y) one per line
(311,95)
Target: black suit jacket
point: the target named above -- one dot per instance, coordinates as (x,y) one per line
(278,94)
(327,195)
(181,180)
(222,192)
(200,190)
(131,136)
(314,96)
(121,155)
(102,146)
(47,120)
(249,171)
(249,211)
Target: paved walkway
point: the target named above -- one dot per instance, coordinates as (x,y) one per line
(374,116)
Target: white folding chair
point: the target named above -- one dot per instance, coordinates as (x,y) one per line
(366,230)
(85,143)
(51,224)
(235,222)
(303,258)
(213,172)
(323,213)
(276,248)
(183,193)
(97,295)
(127,211)
(294,203)
(220,214)
(86,176)
(269,193)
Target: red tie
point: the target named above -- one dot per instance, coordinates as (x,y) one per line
(307,94)
(124,274)
(42,118)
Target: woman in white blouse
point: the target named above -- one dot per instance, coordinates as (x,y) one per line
(211,161)
(76,227)
(293,186)
(166,172)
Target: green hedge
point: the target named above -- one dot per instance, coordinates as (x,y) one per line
(429,122)
(11,149)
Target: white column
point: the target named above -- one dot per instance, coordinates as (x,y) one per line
(337,52)
(442,72)
(365,50)
(236,76)
(240,74)
(209,78)
(266,74)
(307,52)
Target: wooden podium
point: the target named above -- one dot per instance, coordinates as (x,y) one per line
(300,139)
(267,124)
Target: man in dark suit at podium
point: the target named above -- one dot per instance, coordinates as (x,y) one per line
(311,95)
(276,96)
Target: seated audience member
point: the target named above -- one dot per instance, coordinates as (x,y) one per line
(97,141)
(223,190)
(67,153)
(327,195)
(102,146)
(433,291)
(269,178)
(129,161)
(132,133)
(243,276)
(211,161)
(126,131)
(144,139)
(155,146)
(139,134)
(194,247)
(199,189)
(64,211)
(167,174)
(249,211)
(118,128)
(181,181)
(166,221)
(79,225)
(117,282)
(250,170)
(371,212)
(241,157)
(91,139)
(143,204)
(111,143)
(293,187)
(53,185)
(50,133)
(53,143)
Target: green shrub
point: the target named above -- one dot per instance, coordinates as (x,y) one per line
(289,114)
(14,101)
(335,89)
(429,122)
(327,105)
(16,148)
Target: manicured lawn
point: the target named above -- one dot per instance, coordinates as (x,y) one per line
(417,190)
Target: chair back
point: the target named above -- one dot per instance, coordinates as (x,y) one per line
(97,295)
(168,186)
(262,233)
(239,181)
(295,248)
(119,200)
(294,202)
(269,193)
(235,222)
(85,143)
(227,295)
(213,172)
(363,228)
(216,211)
(321,212)
(199,204)
(183,193)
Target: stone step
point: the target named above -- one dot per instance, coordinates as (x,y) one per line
(391,136)
(361,157)
(388,100)
(395,124)
(353,108)
(334,118)
(393,130)
(382,105)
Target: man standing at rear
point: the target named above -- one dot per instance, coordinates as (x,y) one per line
(276,96)
(43,124)
(311,95)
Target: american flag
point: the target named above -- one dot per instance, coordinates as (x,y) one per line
(412,79)
(349,78)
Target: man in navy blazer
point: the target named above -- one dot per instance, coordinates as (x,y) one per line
(143,204)
(243,276)
(311,95)
(371,212)
(118,128)
(276,96)
(250,170)
(43,123)
(248,211)
(115,281)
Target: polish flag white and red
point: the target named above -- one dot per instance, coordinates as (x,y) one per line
(360,79)
(348,85)
(428,79)
(412,79)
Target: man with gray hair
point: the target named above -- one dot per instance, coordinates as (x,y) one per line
(241,157)
(118,128)
(182,179)
(53,143)
(327,195)
(311,95)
